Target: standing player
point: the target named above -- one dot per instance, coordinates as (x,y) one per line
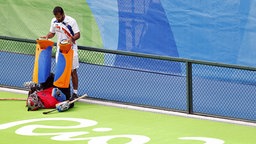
(66,28)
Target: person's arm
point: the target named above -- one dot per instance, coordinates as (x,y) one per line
(75,37)
(76,31)
(48,36)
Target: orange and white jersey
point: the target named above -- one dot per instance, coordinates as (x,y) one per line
(64,29)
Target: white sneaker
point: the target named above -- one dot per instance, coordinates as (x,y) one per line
(29,84)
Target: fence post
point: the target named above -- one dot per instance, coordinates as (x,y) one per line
(189,87)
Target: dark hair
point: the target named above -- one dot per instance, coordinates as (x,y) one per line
(58,9)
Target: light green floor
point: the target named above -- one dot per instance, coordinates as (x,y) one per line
(111,125)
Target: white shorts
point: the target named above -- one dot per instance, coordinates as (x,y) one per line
(75,64)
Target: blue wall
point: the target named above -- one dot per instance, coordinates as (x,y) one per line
(219,31)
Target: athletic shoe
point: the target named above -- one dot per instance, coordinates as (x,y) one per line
(74,96)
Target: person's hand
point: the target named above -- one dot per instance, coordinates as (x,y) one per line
(44,37)
(71,40)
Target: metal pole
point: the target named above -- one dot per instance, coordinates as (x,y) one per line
(189,87)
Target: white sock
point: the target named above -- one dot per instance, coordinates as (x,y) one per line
(75,91)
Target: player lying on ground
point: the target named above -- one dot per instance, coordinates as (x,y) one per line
(45,96)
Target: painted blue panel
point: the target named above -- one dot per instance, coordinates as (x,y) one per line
(105,13)
(60,66)
(247,51)
(144,28)
(44,64)
(218,31)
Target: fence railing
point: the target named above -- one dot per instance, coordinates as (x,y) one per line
(162,82)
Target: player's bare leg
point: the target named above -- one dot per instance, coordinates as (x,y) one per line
(74,83)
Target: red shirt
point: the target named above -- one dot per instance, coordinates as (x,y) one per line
(47,99)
